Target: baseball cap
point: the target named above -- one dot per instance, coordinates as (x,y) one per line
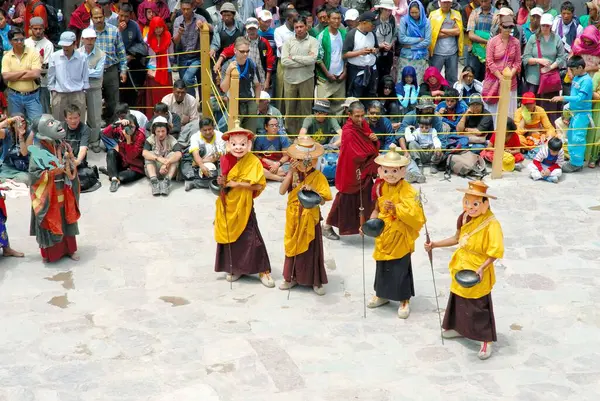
(265,15)
(528,98)
(536,11)
(88,33)
(351,15)
(475,98)
(322,106)
(445,1)
(251,23)
(425,102)
(547,19)
(67,38)
(368,16)
(264,96)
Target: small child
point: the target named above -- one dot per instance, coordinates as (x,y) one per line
(562,126)
(407,90)
(512,158)
(547,163)
(424,138)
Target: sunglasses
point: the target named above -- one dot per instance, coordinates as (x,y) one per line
(508,26)
(243,51)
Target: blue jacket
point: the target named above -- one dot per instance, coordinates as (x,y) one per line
(461,108)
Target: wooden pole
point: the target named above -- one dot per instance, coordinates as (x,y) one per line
(234,95)
(501,120)
(205,70)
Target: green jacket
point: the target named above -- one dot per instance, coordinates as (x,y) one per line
(325,50)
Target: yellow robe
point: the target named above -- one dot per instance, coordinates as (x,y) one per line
(239,201)
(300,231)
(402,226)
(476,247)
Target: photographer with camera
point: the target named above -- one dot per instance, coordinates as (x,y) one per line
(124,142)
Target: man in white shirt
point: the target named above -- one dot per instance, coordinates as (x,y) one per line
(360,52)
(182,103)
(282,34)
(39,42)
(199,164)
(331,68)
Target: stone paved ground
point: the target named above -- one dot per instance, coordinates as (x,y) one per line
(105,329)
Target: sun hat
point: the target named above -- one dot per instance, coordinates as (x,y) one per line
(477,188)
(305,148)
(237,130)
(387,4)
(392,158)
(536,11)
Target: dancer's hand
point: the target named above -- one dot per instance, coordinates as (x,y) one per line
(429,246)
(480,273)
(389,206)
(221,180)
(232,184)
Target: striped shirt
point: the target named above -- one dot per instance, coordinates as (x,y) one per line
(478,21)
(110,42)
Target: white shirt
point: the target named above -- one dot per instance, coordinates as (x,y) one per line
(555,24)
(48,48)
(336,66)
(216,147)
(189,106)
(67,75)
(362,41)
(282,34)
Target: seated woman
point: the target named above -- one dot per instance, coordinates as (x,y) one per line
(272,149)
(533,125)
(434,84)
(162,153)
(387,94)
(15,137)
(468,85)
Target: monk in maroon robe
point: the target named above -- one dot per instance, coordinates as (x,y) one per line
(356,170)
(81,17)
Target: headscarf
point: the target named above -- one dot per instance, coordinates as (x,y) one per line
(162,60)
(579,47)
(416,29)
(146,4)
(407,71)
(434,72)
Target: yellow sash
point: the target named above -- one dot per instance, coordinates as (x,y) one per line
(238,200)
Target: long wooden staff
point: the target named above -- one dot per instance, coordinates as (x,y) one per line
(222,196)
(361,213)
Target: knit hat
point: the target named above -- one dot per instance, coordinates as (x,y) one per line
(227,7)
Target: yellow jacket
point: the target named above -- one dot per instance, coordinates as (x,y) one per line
(480,238)
(402,226)
(539,122)
(436,18)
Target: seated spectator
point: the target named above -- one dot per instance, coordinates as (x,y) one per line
(547,163)
(512,158)
(434,84)
(162,110)
(424,138)
(14,140)
(388,95)
(321,127)
(265,108)
(272,151)
(381,126)
(477,122)
(451,109)
(78,137)
(124,142)
(123,109)
(407,89)
(562,127)
(200,163)
(162,153)
(468,85)
(533,125)
(425,107)
(182,103)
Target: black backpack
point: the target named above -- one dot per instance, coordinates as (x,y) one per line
(53,31)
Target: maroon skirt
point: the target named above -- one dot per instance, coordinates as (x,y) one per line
(154,96)
(472,318)
(308,267)
(345,211)
(68,246)
(249,253)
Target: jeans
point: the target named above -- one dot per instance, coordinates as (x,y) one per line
(451,65)
(190,74)
(28,105)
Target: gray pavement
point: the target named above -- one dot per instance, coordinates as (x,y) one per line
(143,316)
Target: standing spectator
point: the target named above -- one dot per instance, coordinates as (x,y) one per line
(110,16)
(162,10)
(447,40)
(265,28)
(502,51)
(532,25)
(95,59)
(414,35)
(246,8)
(282,35)
(385,31)
(546,6)
(525,8)
(592,17)
(159,74)
(4,29)
(21,70)
(215,10)
(136,50)
(150,11)
(187,40)
(331,68)
(35,8)
(335,5)
(298,57)
(182,103)
(360,51)
(270,6)
(81,18)
(592,151)
(566,25)
(109,41)
(39,42)
(351,18)
(544,51)
(468,85)
(479,30)
(67,77)
(361,6)
(226,31)
(323,19)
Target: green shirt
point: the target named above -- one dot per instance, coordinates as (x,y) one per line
(552,50)
(321,132)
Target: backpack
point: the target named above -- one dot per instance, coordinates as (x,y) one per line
(53,30)
(465,164)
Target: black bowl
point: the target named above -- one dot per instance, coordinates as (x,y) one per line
(373,227)
(309,199)
(467,278)
(214,186)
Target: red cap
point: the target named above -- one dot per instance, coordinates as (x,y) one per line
(528,98)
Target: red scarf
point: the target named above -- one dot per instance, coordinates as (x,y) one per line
(434,72)
(161,49)
(357,151)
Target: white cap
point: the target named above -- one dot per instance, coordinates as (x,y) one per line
(536,11)
(506,11)
(160,120)
(251,23)
(67,38)
(88,33)
(264,96)
(265,15)
(351,15)
(547,19)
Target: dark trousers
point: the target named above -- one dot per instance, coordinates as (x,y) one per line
(135,79)
(87,177)
(114,166)
(477,66)
(110,92)
(364,85)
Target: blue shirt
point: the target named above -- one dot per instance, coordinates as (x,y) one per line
(269,34)
(264,144)
(581,93)
(452,119)
(385,132)
(110,42)
(131,35)
(5,42)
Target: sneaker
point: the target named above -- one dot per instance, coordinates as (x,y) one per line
(412,177)
(485,351)
(376,302)
(286,285)
(404,310)
(552,179)
(433,169)
(232,277)
(114,185)
(451,334)
(266,279)
(165,187)
(103,170)
(155,184)
(189,185)
(569,168)
(330,234)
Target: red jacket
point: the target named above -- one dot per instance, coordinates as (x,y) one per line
(80,18)
(131,154)
(267,57)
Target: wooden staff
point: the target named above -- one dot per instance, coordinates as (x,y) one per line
(361,214)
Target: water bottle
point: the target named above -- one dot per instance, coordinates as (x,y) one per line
(59,16)
(11,11)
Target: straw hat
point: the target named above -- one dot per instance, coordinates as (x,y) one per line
(392,158)
(237,130)
(477,188)
(305,148)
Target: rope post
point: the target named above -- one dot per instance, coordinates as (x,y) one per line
(501,120)
(205,70)
(234,95)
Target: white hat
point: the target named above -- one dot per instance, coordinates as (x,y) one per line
(536,11)
(387,4)
(264,96)
(351,15)
(506,11)
(446,1)
(547,19)
(160,120)
(67,38)
(251,23)
(88,33)
(265,15)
